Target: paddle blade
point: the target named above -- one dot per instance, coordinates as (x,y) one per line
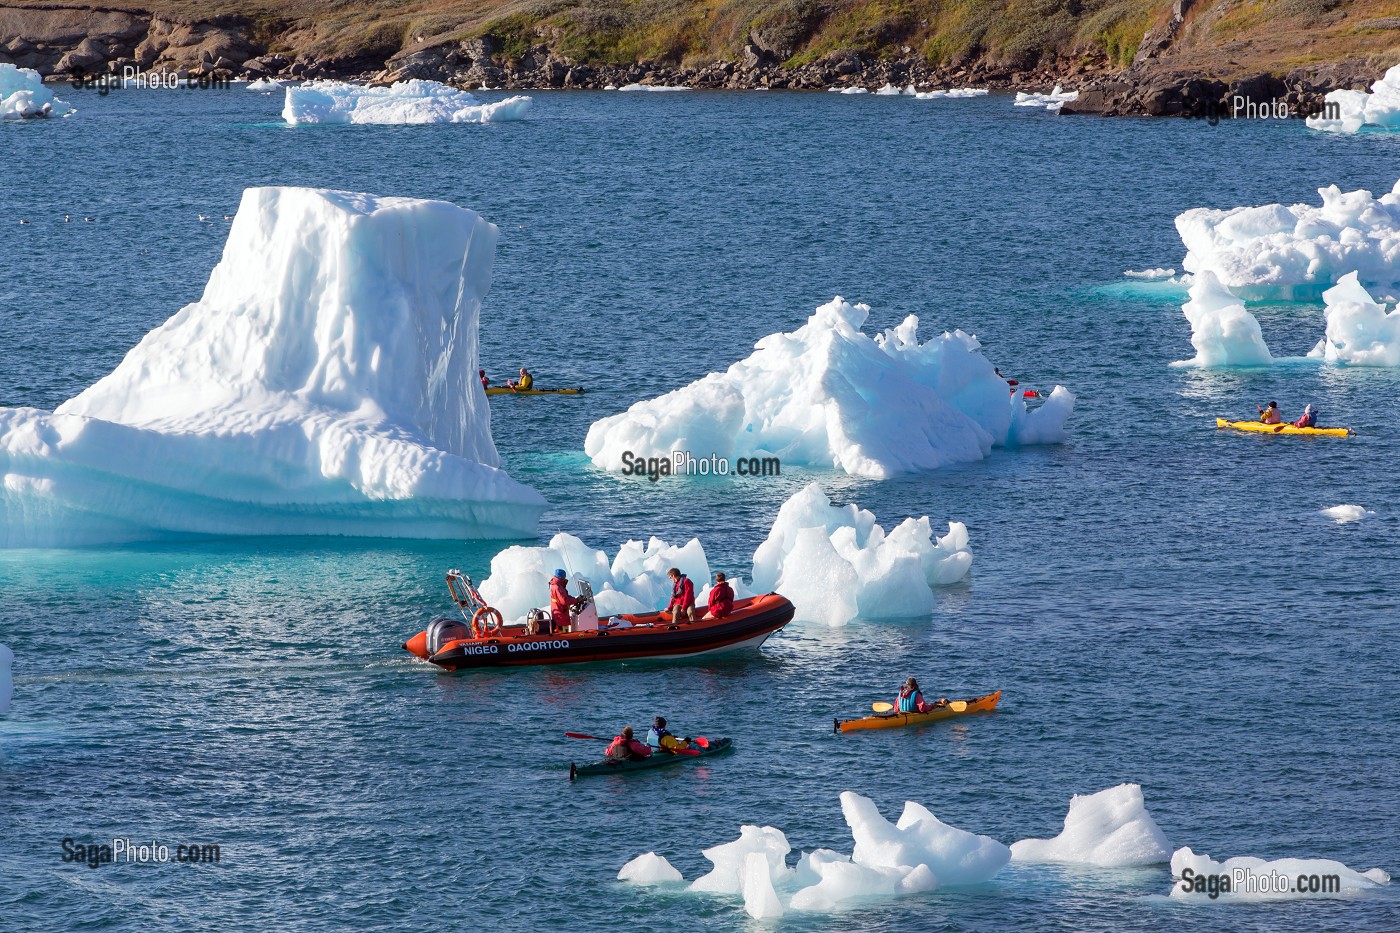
(701,741)
(958,706)
(882,707)
(686,751)
(584,735)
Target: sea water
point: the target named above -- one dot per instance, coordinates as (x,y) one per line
(1162,603)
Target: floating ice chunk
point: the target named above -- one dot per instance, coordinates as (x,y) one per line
(842,881)
(23,95)
(835,563)
(1346,514)
(889,90)
(828,395)
(1052,101)
(955,856)
(1254,879)
(730,860)
(7,685)
(650,87)
(265,84)
(756,885)
(952,92)
(1222,331)
(322,385)
(414,101)
(1150,274)
(1357,109)
(1111,829)
(649,869)
(848,90)
(1359,331)
(1295,252)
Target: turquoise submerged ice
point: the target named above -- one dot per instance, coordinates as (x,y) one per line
(324,384)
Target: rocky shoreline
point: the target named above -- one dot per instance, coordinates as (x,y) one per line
(62,43)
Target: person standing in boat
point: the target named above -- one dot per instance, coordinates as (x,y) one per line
(682,605)
(560,602)
(626,748)
(661,738)
(911,699)
(721,602)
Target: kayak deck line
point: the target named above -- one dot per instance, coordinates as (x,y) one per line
(1259,427)
(896,720)
(658,759)
(505,390)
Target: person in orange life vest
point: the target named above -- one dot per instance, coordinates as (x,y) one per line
(626,748)
(911,699)
(485,383)
(721,602)
(682,605)
(560,602)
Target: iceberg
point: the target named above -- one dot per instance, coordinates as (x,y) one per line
(7,684)
(23,95)
(322,385)
(1346,514)
(1359,331)
(1052,101)
(649,87)
(732,865)
(953,856)
(1110,829)
(836,564)
(264,84)
(649,869)
(1275,251)
(1198,877)
(1222,331)
(415,101)
(1150,275)
(1355,110)
(828,395)
(951,93)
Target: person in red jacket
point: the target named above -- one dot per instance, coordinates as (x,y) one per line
(485,382)
(560,602)
(721,601)
(682,605)
(626,748)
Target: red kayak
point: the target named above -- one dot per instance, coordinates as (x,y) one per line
(450,643)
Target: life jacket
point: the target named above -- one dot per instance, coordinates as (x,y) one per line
(1308,420)
(909,700)
(683,593)
(721,600)
(654,737)
(526,381)
(618,749)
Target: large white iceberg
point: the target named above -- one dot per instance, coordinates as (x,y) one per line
(1222,331)
(836,564)
(730,860)
(1198,877)
(323,384)
(1359,331)
(23,95)
(1356,109)
(828,395)
(7,685)
(1052,101)
(1295,252)
(413,101)
(1110,829)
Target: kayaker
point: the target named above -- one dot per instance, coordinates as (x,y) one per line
(661,737)
(626,748)
(911,699)
(526,382)
(1013,383)
(721,601)
(1271,414)
(485,383)
(1308,419)
(560,602)
(682,605)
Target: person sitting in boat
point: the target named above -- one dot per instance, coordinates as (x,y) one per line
(485,382)
(660,737)
(721,602)
(526,382)
(1308,419)
(560,602)
(626,748)
(682,605)
(1271,414)
(911,699)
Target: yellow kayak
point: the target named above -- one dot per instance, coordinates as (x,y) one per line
(898,720)
(505,390)
(1260,427)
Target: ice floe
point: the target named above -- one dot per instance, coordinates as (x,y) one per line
(1359,331)
(322,385)
(23,95)
(891,90)
(1150,274)
(415,101)
(829,395)
(1346,514)
(265,84)
(1358,109)
(1052,101)
(650,87)
(1110,829)
(1198,877)
(649,869)
(7,685)
(837,564)
(1222,331)
(1274,251)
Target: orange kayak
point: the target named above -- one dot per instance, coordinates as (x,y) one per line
(981,704)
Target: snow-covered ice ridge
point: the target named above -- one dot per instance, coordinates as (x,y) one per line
(921,854)
(835,565)
(413,101)
(829,395)
(1357,109)
(323,384)
(23,95)
(1273,251)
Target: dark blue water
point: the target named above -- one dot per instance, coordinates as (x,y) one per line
(1161,603)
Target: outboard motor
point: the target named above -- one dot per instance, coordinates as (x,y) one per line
(441,631)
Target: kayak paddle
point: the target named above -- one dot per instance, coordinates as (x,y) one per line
(701,741)
(958,706)
(584,735)
(882,707)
